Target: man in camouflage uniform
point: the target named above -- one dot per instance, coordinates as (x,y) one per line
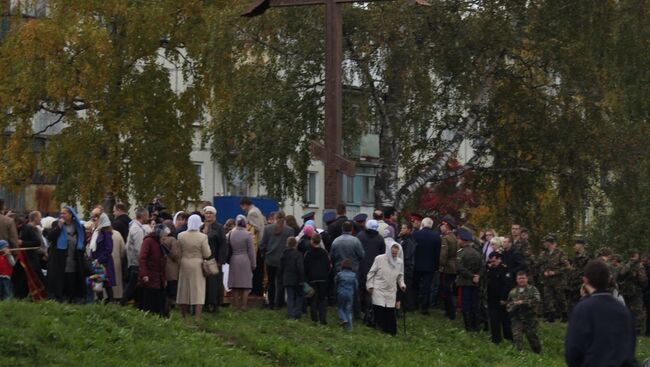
(632,280)
(553,265)
(521,305)
(574,281)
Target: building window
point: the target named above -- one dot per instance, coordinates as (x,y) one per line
(310,188)
(237,186)
(368,190)
(198,166)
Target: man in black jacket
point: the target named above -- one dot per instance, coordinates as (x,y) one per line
(121,221)
(601,330)
(427,257)
(373,246)
(513,259)
(498,287)
(335,229)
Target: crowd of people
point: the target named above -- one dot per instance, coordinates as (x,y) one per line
(369,268)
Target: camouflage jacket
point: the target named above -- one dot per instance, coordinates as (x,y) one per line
(555,261)
(577,268)
(469,264)
(530,297)
(523,247)
(632,279)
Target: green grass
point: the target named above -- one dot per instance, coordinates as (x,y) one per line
(54,334)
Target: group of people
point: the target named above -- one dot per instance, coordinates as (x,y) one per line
(369,268)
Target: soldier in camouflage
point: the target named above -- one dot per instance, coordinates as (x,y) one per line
(553,266)
(632,280)
(574,281)
(521,305)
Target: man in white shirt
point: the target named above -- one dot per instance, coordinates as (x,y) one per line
(137,230)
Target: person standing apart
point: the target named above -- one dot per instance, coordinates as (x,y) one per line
(601,330)
(522,303)
(384,277)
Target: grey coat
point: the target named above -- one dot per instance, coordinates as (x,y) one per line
(273,245)
(242,260)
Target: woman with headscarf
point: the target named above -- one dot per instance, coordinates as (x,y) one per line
(219,250)
(151,271)
(101,249)
(385,275)
(66,267)
(173,251)
(242,263)
(191,281)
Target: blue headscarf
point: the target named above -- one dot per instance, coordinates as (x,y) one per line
(62,241)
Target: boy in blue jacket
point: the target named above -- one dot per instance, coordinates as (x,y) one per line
(346,284)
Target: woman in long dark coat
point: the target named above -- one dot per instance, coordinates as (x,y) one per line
(66,266)
(151,270)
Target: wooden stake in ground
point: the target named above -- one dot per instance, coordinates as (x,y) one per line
(330,152)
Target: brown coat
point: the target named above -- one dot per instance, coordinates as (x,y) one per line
(152,263)
(119,251)
(173,257)
(8,231)
(191,281)
(449,254)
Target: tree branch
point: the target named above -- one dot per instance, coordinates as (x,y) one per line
(48,126)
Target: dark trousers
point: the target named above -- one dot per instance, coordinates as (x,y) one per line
(422,282)
(131,291)
(318,302)
(447,282)
(470,300)
(73,292)
(258,277)
(499,322)
(294,301)
(386,319)
(153,300)
(275,292)
(410,299)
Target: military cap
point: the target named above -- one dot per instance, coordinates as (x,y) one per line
(309,215)
(464,234)
(329,217)
(361,217)
(447,219)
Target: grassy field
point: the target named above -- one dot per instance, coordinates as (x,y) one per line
(57,335)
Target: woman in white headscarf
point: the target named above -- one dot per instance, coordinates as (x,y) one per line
(191,281)
(385,275)
(101,249)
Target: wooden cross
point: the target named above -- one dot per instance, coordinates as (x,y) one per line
(330,153)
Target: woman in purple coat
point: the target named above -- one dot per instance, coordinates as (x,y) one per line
(101,249)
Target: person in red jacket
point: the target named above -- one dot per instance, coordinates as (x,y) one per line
(7,263)
(152,262)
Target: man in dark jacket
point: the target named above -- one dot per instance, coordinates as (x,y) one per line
(121,220)
(373,246)
(408,247)
(317,267)
(601,330)
(513,259)
(335,229)
(469,273)
(427,258)
(292,274)
(498,287)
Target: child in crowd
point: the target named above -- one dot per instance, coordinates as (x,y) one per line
(7,263)
(292,275)
(346,284)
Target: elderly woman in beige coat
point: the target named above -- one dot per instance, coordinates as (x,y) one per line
(385,275)
(119,252)
(191,281)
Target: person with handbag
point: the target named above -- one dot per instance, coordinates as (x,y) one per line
(191,278)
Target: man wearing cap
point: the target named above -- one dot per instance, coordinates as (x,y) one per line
(307,217)
(427,262)
(360,220)
(448,265)
(373,246)
(469,275)
(335,229)
(632,280)
(553,265)
(416,220)
(578,263)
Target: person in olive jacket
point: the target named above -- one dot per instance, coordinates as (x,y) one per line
(292,275)
(469,273)
(448,265)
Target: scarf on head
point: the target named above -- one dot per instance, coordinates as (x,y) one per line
(393,261)
(176,217)
(62,241)
(194,223)
(102,223)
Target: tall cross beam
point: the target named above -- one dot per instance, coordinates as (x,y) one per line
(330,152)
